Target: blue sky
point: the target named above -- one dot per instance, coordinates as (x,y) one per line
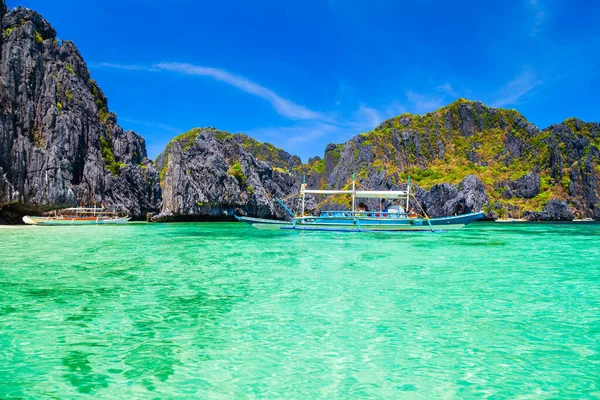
(301,74)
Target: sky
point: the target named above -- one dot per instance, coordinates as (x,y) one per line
(302,74)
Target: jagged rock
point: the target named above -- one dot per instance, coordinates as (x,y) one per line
(526,187)
(59,145)
(208,174)
(446,199)
(554,210)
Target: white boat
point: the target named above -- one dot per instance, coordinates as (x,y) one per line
(505,220)
(392,219)
(78,216)
(584,220)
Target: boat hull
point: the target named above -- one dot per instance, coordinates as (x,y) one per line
(74,221)
(365,224)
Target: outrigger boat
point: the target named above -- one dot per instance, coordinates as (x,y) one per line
(78,216)
(393,219)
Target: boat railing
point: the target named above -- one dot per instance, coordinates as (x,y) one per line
(361,214)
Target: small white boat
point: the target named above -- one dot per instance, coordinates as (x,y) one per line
(78,216)
(509,220)
(584,220)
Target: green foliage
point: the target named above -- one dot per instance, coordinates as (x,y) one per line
(100,101)
(236,171)
(223,135)
(38,37)
(319,167)
(186,140)
(250,190)
(103,115)
(8,31)
(38,139)
(59,106)
(163,170)
(108,156)
(69,95)
(69,68)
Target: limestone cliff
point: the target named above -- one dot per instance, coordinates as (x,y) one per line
(519,168)
(207,173)
(59,144)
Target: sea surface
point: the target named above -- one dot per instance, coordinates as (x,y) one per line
(221,310)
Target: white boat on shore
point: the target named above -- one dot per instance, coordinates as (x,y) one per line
(78,216)
(510,220)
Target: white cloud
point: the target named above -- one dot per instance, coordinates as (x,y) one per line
(423,103)
(283,106)
(149,124)
(127,67)
(518,87)
(447,89)
(539,15)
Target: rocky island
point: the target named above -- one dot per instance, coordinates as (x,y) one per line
(61,146)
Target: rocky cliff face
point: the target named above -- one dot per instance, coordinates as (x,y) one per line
(466,150)
(464,157)
(59,144)
(207,174)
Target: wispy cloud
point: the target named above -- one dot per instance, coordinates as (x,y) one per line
(447,89)
(424,102)
(515,89)
(126,67)
(284,107)
(539,15)
(149,124)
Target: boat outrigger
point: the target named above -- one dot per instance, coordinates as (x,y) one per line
(393,219)
(78,216)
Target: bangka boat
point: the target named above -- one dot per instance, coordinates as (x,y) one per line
(511,220)
(392,219)
(78,216)
(584,220)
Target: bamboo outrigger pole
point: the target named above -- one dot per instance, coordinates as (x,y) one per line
(407,193)
(303,194)
(353,192)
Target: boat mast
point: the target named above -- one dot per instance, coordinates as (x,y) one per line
(303,194)
(407,193)
(353,191)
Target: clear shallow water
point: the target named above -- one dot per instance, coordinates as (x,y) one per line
(224,310)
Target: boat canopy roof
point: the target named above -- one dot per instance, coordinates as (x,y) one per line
(366,194)
(82,210)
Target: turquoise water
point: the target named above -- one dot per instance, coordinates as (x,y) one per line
(224,310)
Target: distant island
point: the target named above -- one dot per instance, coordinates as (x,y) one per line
(60,146)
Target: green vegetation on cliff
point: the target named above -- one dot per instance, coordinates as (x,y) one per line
(499,146)
(107,152)
(236,171)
